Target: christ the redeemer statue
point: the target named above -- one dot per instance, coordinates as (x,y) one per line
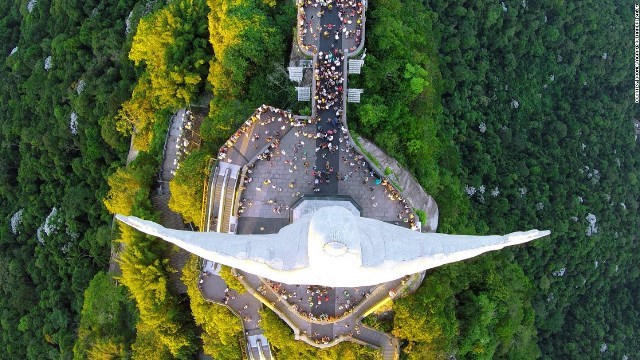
(332,247)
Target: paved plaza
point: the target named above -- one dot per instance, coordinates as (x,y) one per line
(346,17)
(266,125)
(289,172)
(322,332)
(273,184)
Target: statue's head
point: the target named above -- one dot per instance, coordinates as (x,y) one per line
(334,238)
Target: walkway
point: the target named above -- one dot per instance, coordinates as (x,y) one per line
(174,144)
(325,333)
(388,344)
(245,306)
(160,200)
(264,127)
(177,257)
(212,287)
(331,33)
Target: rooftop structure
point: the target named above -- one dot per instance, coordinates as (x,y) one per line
(295,73)
(355,65)
(304,93)
(354,95)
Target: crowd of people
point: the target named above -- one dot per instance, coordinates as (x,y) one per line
(350,15)
(314,296)
(297,157)
(284,118)
(186,141)
(406,215)
(187,138)
(306,26)
(329,82)
(229,295)
(318,339)
(351,11)
(357,165)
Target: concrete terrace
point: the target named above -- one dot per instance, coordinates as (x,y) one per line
(272,184)
(328,332)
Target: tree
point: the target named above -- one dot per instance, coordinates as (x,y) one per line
(124,189)
(231,280)
(187,184)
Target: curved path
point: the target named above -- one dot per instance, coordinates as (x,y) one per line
(347,328)
(245,306)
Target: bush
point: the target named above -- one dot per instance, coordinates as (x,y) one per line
(186,186)
(108,320)
(231,280)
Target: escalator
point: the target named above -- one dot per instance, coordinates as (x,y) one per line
(229,199)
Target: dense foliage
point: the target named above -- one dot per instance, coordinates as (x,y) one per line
(108,318)
(165,329)
(231,280)
(186,186)
(129,187)
(64,75)
(503,107)
(539,98)
(250,40)
(528,89)
(479,309)
(171,43)
(402,81)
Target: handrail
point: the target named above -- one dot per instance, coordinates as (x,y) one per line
(203,204)
(236,204)
(260,352)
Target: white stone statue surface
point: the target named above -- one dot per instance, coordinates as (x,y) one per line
(333,247)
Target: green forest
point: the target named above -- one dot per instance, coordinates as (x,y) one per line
(515,115)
